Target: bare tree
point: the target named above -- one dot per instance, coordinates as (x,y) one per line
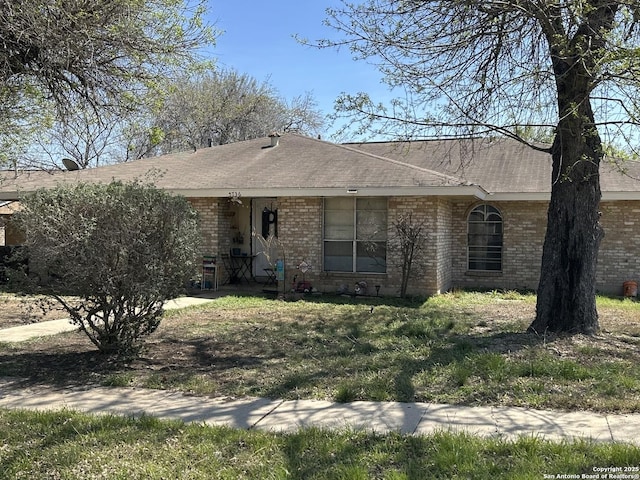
(301,115)
(86,137)
(409,239)
(491,67)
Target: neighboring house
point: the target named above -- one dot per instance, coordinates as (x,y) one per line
(483,204)
(9,236)
(10,181)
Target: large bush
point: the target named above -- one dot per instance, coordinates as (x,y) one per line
(123,249)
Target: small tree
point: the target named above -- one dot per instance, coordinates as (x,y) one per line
(273,250)
(123,249)
(409,239)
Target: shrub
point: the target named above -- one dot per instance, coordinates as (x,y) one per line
(122,248)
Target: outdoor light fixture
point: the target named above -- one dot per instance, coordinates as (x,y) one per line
(352,190)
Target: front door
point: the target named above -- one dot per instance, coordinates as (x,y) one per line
(265,223)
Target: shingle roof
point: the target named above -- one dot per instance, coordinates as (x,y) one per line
(303,164)
(498,165)
(298,162)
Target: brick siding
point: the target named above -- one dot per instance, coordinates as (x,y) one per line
(444,265)
(619,257)
(524,229)
(209,213)
(300,233)
(523,237)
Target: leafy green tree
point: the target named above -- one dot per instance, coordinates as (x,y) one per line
(216,107)
(65,55)
(123,248)
(104,52)
(23,116)
(490,67)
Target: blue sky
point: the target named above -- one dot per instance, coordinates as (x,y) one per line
(258,40)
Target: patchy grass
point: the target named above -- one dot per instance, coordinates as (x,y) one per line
(76,446)
(460,348)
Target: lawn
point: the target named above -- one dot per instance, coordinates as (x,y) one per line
(461,348)
(464,348)
(69,445)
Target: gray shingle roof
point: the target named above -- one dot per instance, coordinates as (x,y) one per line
(498,165)
(298,162)
(306,165)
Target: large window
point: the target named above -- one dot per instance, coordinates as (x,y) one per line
(355,235)
(485,238)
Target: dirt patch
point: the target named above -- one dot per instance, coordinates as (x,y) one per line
(22,310)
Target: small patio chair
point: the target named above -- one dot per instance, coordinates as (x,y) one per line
(231,268)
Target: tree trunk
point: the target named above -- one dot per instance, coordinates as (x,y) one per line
(567,293)
(567,289)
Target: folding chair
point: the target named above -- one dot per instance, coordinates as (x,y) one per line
(231,268)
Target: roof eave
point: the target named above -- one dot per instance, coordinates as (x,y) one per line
(613,196)
(443,191)
(10,196)
(546,196)
(519,196)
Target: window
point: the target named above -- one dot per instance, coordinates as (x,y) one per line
(485,238)
(355,235)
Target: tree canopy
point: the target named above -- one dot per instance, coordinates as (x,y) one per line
(197,109)
(102,52)
(216,107)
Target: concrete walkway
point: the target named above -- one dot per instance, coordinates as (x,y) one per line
(52,327)
(287,416)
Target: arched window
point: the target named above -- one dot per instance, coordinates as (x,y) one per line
(485,238)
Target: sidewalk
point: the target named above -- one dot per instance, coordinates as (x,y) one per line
(288,416)
(52,327)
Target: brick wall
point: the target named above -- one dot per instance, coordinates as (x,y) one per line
(300,233)
(445,265)
(209,212)
(444,239)
(619,257)
(428,275)
(524,230)
(300,230)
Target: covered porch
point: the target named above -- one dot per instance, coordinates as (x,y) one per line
(239,241)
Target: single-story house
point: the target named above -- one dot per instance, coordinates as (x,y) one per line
(8,234)
(482,204)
